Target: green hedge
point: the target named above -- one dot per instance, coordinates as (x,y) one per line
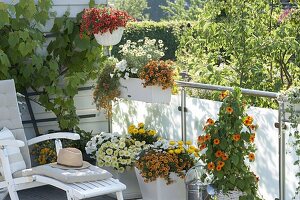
(169,32)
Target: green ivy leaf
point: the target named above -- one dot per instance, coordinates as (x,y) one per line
(82,43)
(13,39)
(24,34)
(4,18)
(235,159)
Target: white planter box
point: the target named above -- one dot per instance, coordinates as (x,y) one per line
(159,190)
(108,39)
(133,89)
(129,179)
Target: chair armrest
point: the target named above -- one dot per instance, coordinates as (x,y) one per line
(59,135)
(12,143)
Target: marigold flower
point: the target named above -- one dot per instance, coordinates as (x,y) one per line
(135,131)
(251,156)
(141,125)
(219,154)
(180,143)
(211,166)
(172,142)
(188,142)
(229,110)
(171,151)
(190,150)
(177,151)
(216,141)
(210,121)
(142,131)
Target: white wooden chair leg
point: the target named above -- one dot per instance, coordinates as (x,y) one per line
(119,195)
(12,193)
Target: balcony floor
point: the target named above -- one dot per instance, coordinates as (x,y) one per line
(49,193)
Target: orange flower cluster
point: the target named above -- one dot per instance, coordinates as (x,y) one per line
(248,121)
(158,73)
(236,137)
(153,165)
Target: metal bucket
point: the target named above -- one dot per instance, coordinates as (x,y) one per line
(197,191)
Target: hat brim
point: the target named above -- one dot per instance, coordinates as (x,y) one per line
(84,166)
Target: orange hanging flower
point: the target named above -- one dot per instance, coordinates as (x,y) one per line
(210,121)
(236,137)
(248,121)
(211,166)
(216,141)
(203,146)
(253,127)
(224,94)
(251,156)
(252,137)
(225,157)
(219,154)
(218,168)
(201,139)
(229,110)
(221,163)
(207,137)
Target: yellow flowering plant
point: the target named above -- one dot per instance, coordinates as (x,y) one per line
(165,157)
(142,133)
(44,152)
(228,145)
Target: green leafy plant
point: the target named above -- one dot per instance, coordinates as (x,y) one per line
(107,86)
(135,8)
(229,144)
(235,44)
(291,98)
(55,73)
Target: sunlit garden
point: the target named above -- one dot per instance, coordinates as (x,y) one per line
(149,100)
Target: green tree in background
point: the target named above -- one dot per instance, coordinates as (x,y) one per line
(183,9)
(135,8)
(241,43)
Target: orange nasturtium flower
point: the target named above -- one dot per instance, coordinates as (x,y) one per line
(229,110)
(219,154)
(216,141)
(251,156)
(210,121)
(224,94)
(236,137)
(211,166)
(224,157)
(252,137)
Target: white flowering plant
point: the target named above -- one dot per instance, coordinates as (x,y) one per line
(114,150)
(136,55)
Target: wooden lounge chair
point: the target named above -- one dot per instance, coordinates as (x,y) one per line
(15,181)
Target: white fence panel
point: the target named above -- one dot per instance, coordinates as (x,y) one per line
(166,120)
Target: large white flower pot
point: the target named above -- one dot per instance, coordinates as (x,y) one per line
(108,39)
(129,179)
(133,89)
(159,190)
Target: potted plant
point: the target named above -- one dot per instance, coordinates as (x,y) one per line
(229,146)
(161,168)
(106,24)
(135,66)
(116,154)
(142,133)
(291,112)
(107,87)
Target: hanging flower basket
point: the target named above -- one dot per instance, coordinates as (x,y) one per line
(159,190)
(106,24)
(109,39)
(133,89)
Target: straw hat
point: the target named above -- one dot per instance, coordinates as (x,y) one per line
(70,158)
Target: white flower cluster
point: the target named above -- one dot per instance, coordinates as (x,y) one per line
(136,55)
(113,150)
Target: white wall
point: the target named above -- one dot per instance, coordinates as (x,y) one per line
(166,119)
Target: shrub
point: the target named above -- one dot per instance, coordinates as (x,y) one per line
(168,32)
